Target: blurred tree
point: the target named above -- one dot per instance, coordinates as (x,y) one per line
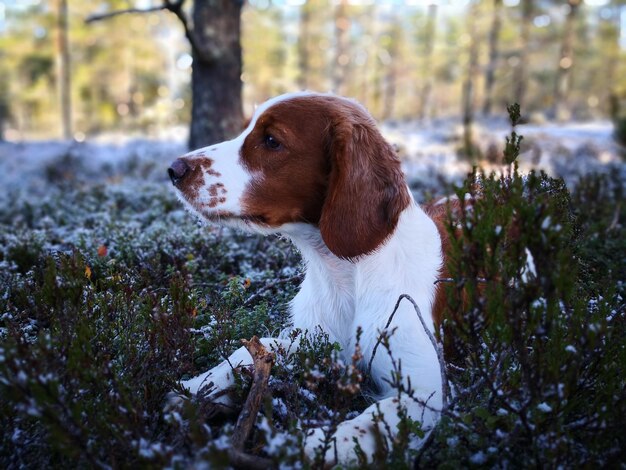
(566,62)
(121,72)
(609,37)
(27,67)
(366,62)
(490,70)
(471,74)
(64,65)
(522,64)
(4,104)
(342,47)
(4,95)
(314,45)
(390,58)
(427,75)
(448,68)
(266,67)
(303,45)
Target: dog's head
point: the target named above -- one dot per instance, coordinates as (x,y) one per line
(304,158)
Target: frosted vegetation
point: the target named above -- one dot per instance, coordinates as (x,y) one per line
(110,293)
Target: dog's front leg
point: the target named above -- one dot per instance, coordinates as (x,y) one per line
(222,377)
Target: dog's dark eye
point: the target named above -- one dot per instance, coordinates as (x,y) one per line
(271,143)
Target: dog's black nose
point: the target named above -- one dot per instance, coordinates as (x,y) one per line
(178,170)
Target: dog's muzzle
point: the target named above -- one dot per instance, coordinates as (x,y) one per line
(178,170)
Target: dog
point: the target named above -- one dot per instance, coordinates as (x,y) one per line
(315,169)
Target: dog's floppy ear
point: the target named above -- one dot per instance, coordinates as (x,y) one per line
(366,191)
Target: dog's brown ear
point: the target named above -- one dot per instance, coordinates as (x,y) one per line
(366,191)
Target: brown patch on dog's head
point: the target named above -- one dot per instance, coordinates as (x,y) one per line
(320,159)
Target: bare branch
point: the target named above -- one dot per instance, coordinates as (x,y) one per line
(201,52)
(175,7)
(113,14)
(262,360)
(239,459)
(253,297)
(438,349)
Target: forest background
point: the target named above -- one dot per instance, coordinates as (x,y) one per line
(62,75)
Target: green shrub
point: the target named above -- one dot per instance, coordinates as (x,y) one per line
(86,365)
(539,381)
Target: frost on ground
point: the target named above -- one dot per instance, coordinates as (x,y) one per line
(429,152)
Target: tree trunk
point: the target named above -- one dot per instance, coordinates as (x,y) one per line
(342,53)
(566,62)
(216,85)
(521,83)
(490,72)
(612,61)
(425,96)
(468,83)
(64,70)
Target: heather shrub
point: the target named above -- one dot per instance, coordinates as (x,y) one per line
(86,364)
(106,298)
(536,324)
(110,294)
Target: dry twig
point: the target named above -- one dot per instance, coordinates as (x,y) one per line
(438,349)
(270,286)
(615,220)
(262,362)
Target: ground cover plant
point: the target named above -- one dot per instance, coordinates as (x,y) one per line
(111,294)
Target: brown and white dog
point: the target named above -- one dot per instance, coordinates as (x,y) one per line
(314,168)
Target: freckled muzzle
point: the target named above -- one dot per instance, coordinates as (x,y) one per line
(200,186)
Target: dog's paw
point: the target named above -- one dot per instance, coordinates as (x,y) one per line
(314,443)
(174,401)
(211,401)
(212,387)
(341,447)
